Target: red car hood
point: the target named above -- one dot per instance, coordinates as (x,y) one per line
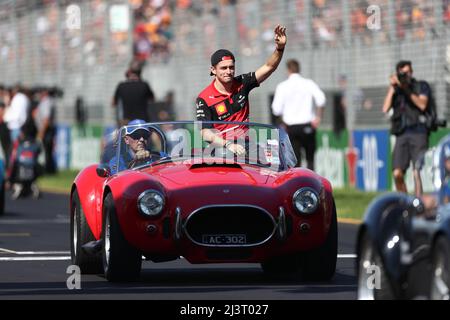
(183,174)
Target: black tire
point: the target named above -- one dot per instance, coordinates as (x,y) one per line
(320,264)
(283,266)
(80,234)
(2,198)
(440,263)
(368,257)
(121,262)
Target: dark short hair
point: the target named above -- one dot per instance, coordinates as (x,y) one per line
(403,63)
(293,65)
(135,67)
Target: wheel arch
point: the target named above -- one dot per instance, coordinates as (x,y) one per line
(89,187)
(440,233)
(388,223)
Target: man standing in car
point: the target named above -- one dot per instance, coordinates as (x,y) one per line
(226,97)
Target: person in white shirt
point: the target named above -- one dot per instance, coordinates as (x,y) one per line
(16,114)
(300,101)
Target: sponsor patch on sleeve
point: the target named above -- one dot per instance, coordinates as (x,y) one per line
(221,109)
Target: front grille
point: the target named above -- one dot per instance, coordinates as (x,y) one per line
(230,226)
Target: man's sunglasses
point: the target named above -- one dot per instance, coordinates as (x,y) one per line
(137,135)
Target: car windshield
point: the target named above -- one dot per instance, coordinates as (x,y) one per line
(148,144)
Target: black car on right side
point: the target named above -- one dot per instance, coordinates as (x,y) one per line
(403,244)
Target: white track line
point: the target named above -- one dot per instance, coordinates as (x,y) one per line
(33,258)
(15,234)
(32,253)
(6,251)
(64,258)
(34,221)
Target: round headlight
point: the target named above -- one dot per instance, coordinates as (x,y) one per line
(150,203)
(306,200)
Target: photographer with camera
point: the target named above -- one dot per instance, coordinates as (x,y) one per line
(410,100)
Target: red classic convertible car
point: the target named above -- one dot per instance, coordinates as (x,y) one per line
(182,189)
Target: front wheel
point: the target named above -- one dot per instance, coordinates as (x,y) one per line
(282,266)
(320,264)
(121,262)
(440,284)
(373,283)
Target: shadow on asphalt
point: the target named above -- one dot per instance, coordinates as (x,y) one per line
(192,281)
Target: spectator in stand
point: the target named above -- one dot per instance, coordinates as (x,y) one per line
(417,21)
(326,21)
(152,29)
(402,14)
(447,11)
(359,20)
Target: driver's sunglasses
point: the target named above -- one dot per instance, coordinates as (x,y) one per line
(138,135)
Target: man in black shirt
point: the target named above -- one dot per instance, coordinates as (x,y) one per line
(5,139)
(409,98)
(132,97)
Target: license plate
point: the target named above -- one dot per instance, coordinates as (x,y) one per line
(224,239)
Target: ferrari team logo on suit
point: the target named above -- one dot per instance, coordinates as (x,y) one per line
(221,109)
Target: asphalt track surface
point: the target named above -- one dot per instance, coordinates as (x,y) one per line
(34,257)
